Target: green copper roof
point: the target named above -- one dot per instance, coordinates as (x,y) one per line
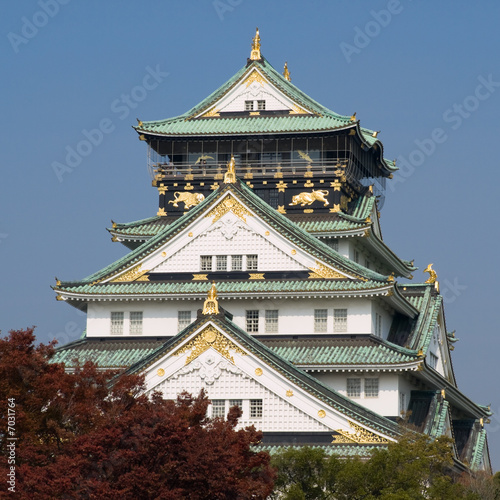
(341,351)
(480,447)
(106,352)
(302,379)
(224,288)
(322,119)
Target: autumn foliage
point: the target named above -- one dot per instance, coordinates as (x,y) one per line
(93,434)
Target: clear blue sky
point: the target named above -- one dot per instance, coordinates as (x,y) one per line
(424,73)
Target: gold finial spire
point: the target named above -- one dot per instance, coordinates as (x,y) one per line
(230,175)
(286,73)
(211,306)
(255,53)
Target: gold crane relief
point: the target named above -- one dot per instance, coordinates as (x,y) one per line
(189,199)
(309,198)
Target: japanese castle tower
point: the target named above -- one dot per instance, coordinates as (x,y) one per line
(264,279)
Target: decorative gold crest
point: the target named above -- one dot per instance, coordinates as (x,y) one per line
(207,338)
(325,272)
(360,435)
(229,204)
(258,372)
(131,275)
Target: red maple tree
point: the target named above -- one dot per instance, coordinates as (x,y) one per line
(93,434)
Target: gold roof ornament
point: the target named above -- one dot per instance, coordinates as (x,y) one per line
(432,275)
(230,175)
(376,133)
(255,53)
(353,117)
(286,73)
(139,122)
(211,306)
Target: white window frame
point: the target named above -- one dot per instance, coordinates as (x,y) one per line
(117,321)
(236,262)
(248,105)
(136,321)
(252,262)
(371,387)
(340,320)
(206,263)
(354,387)
(218,408)
(252,320)
(271,320)
(183,320)
(320,320)
(256,408)
(261,105)
(433,360)
(221,262)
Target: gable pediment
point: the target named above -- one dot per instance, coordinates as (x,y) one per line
(229,228)
(253,86)
(213,359)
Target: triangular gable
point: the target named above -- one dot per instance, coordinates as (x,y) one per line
(215,355)
(229,227)
(238,199)
(253,86)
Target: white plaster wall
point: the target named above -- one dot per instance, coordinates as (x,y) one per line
(386,319)
(388,401)
(278,414)
(295,316)
(229,237)
(235,100)
(159,318)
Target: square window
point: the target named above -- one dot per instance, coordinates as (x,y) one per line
(218,408)
(236,402)
(252,318)
(333,243)
(205,263)
(256,408)
(340,320)
(183,320)
(117,323)
(136,323)
(248,105)
(261,105)
(353,387)
(221,263)
(371,387)
(252,262)
(237,263)
(320,320)
(272,321)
